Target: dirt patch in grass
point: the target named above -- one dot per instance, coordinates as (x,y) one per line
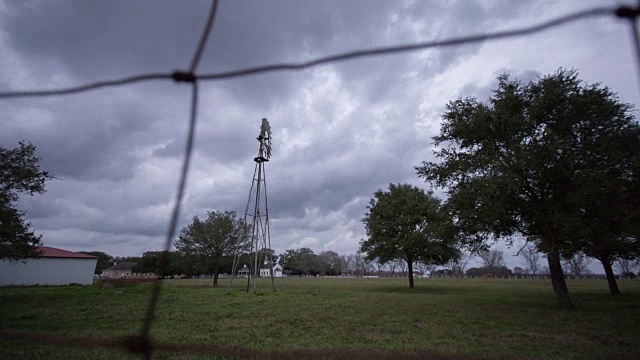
(111,283)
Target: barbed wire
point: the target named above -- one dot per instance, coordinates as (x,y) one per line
(85,88)
(623,11)
(412,47)
(142,341)
(142,344)
(164,260)
(632,14)
(205,36)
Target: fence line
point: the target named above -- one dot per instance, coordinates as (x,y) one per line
(142,344)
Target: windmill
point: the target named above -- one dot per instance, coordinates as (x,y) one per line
(257,214)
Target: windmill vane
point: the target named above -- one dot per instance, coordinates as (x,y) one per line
(265,138)
(265,130)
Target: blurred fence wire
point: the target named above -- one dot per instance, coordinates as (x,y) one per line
(141,343)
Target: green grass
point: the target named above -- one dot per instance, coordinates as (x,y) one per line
(502,319)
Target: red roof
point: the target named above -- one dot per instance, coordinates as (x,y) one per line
(50,252)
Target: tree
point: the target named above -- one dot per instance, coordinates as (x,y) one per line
(577,265)
(518,163)
(402,266)
(152,262)
(266,256)
(498,272)
(406,223)
(626,267)
(360,265)
(610,250)
(19,174)
(133,259)
(208,242)
(392,267)
(459,263)
(347,264)
(531,257)
(300,262)
(379,267)
(425,268)
(330,263)
(608,201)
(492,259)
(442,272)
(104,260)
(367,266)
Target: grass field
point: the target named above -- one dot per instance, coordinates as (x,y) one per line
(440,318)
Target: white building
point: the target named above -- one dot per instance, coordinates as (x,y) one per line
(277,271)
(119,270)
(53,267)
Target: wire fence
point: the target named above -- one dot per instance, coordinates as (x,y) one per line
(141,343)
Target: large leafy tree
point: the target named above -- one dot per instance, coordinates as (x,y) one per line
(209,241)
(609,189)
(19,174)
(152,262)
(519,163)
(301,261)
(407,223)
(330,263)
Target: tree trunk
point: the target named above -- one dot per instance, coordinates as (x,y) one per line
(611,279)
(410,270)
(216,272)
(557,278)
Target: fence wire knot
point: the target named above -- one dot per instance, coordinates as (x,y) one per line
(629,12)
(181,76)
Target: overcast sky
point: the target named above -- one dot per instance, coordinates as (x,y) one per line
(340,131)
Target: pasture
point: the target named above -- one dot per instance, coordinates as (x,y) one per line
(440,318)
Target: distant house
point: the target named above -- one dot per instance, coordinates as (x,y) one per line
(277,271)
(53,267)
(120,270)
(244,272)
(419,274)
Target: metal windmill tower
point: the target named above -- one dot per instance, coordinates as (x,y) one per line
(257,214)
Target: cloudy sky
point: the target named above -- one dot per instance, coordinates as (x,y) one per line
(340,131)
